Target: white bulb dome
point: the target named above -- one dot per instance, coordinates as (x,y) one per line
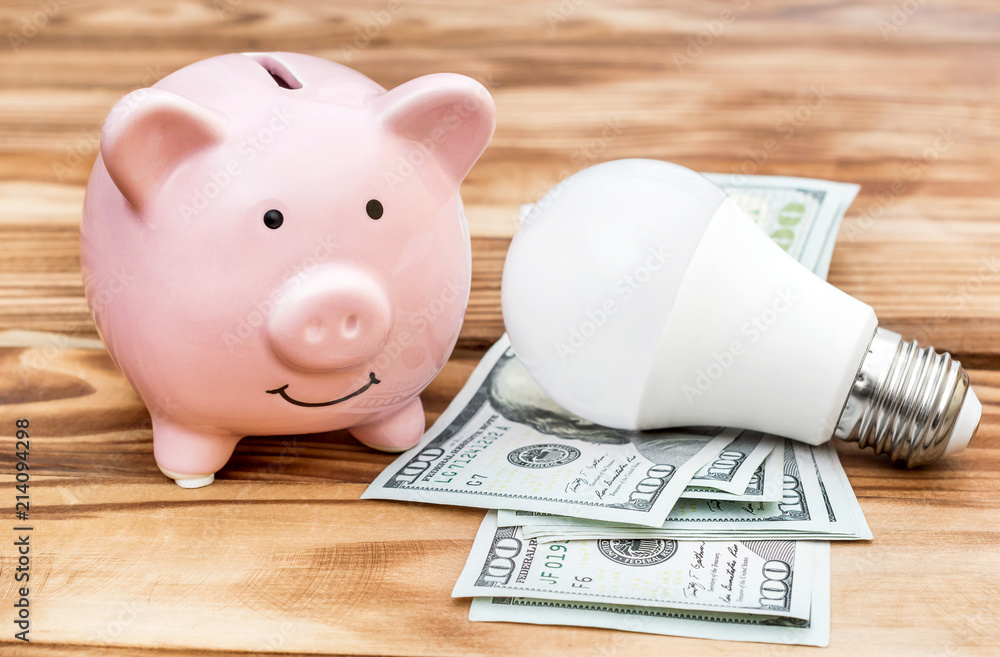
(592,275)
(640,296)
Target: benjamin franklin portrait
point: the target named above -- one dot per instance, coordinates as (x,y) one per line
(515,395)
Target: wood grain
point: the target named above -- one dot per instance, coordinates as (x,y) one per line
(279,555)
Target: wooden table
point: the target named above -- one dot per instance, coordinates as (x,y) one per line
(279,554)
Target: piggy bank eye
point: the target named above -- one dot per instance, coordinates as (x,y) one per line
(273,218)
(374,209)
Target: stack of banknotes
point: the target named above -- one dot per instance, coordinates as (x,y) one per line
(704,532)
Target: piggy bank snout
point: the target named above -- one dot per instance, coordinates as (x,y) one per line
(332,320)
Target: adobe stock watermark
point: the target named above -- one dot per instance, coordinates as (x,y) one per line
(217,181)
(290,451)
(162,409)
(899,15)
(276,638)
(913,170)
(38,358)
(35,23)
(410,334)
(112,462)
(584,156)
(752,330)
(619,642)
(89,143)
(711,30)
(212,533)
(423,150)
(957,297)
(378,21)
(562,12)
(588,153)
(118,626)
(785,127)
(624,289)
(325,249)
(224,8)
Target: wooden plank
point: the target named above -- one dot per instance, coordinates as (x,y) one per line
(147,564)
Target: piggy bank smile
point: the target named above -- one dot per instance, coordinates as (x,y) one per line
(372,380)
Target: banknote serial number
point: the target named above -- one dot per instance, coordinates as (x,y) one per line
(501,564)
(447,470)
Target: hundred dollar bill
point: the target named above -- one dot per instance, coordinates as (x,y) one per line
(815,504)
(842,505)
(732,469)
(802,215)
(802,499)
(502,443)
(752,577)
(675,622)
(764,485)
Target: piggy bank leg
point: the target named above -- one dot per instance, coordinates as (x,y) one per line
(394,433)
(189,457)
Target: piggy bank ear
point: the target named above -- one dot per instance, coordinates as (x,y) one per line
(148,134)
(452,115)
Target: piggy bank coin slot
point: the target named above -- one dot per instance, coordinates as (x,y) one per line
(278,71)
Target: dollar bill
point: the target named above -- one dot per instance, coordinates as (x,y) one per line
(675,622)
(732,468)
(753,577)
(842,506)
(503,444)
(802,215)
(764,485)
(817,503)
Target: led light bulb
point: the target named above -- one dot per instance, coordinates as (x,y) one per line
(640,296)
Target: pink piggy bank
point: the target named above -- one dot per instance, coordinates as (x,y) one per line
(273,244)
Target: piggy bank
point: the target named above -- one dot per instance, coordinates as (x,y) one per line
(273,244)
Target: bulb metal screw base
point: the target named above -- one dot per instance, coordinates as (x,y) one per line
(905,401)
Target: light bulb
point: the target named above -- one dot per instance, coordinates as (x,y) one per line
(640,296)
